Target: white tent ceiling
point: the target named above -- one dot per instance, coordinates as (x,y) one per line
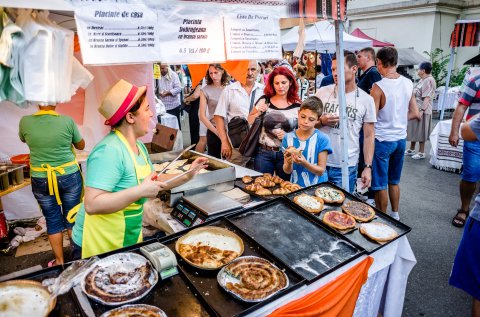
(320,37)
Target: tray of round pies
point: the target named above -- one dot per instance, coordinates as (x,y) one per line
(119,279)
(359,222)
(266,186)
(209,248)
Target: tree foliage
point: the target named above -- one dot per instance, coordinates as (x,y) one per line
(440,62)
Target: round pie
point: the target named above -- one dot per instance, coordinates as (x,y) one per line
(338,220)
(360,211)
(135,310)
(310,203)
(378,231)
(330,195)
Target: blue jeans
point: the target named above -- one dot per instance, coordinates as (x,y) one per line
(387,163)
(335,176)
(471,161)
(269,162)
(70,189)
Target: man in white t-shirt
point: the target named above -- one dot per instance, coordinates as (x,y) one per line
(395,104)
(237,100)
(360,113)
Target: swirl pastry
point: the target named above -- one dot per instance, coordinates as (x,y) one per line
(258,278)
(263,192)
(281,191)
(247,179)
(119,286)
(253,187)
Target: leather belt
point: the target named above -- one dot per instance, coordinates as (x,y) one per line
(269,148)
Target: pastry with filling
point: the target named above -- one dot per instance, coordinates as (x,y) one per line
(263,192)
(378,231)
(360,211)
(119,286)
(207,256)
(134,311)
(253,187)
(257,277)
(247,179)
(338,220)
(281,191)
(310,203)
(330,195)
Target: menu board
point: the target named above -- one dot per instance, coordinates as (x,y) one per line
(117,33)
(252,36)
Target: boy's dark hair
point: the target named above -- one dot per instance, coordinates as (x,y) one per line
(314,104)
(388,56)
(427,67)
(350,58)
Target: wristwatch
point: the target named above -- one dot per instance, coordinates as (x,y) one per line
(368,166)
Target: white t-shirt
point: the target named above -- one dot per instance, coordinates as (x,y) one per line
(360,109)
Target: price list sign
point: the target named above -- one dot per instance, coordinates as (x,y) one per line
(252,36)
(188,38)
(117,33)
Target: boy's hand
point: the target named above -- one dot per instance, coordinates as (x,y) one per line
(299,159)
(288,158)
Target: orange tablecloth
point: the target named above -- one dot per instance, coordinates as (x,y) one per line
(337,298)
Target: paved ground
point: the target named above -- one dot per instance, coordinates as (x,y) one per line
(428,200)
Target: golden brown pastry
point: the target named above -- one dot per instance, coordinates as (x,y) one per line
(312,204)
(292,187)
(277,179)
(281,191)
(253,187)
(267,176)
(258,180)
(247,179)
(267,183)
(293,150)
(285,183)
(263,192)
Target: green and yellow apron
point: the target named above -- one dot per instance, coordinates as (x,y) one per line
(108,232)
(52,171)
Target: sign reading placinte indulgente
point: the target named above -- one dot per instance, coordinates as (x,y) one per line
(117,33)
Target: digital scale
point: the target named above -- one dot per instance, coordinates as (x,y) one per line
(162,258)
(195,209)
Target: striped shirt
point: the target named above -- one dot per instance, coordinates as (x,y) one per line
(171,84)
(470,96)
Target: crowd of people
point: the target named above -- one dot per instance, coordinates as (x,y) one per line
(383,109)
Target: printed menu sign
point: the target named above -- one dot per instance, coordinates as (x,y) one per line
(117,33)
(252,36)
(190,38)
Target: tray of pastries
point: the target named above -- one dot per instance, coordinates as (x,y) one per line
(266,186)
(252,279)
(209,247)
(119,279)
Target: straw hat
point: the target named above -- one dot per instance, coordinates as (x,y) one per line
(118,100)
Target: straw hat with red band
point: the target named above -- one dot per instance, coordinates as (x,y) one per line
(118,100)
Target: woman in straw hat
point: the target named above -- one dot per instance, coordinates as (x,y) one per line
(120,176)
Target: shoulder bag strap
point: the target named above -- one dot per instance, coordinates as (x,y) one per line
(252,100)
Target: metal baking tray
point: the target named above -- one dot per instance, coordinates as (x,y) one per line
(205,281)
(66,303)
(353,236)
(221,175)
(304,244)
(242,185)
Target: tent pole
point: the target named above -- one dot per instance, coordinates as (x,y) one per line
(342,103)
(447,82)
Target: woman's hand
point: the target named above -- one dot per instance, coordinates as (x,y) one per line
(261,107)
(279,133)
(198,164)
(150,186)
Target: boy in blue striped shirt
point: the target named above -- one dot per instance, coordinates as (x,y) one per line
(310,167)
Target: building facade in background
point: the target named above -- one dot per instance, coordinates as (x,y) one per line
(422,24)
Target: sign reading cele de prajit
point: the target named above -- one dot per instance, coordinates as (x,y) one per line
(117,33)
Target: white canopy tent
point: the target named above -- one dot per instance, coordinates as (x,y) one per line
(320,37)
